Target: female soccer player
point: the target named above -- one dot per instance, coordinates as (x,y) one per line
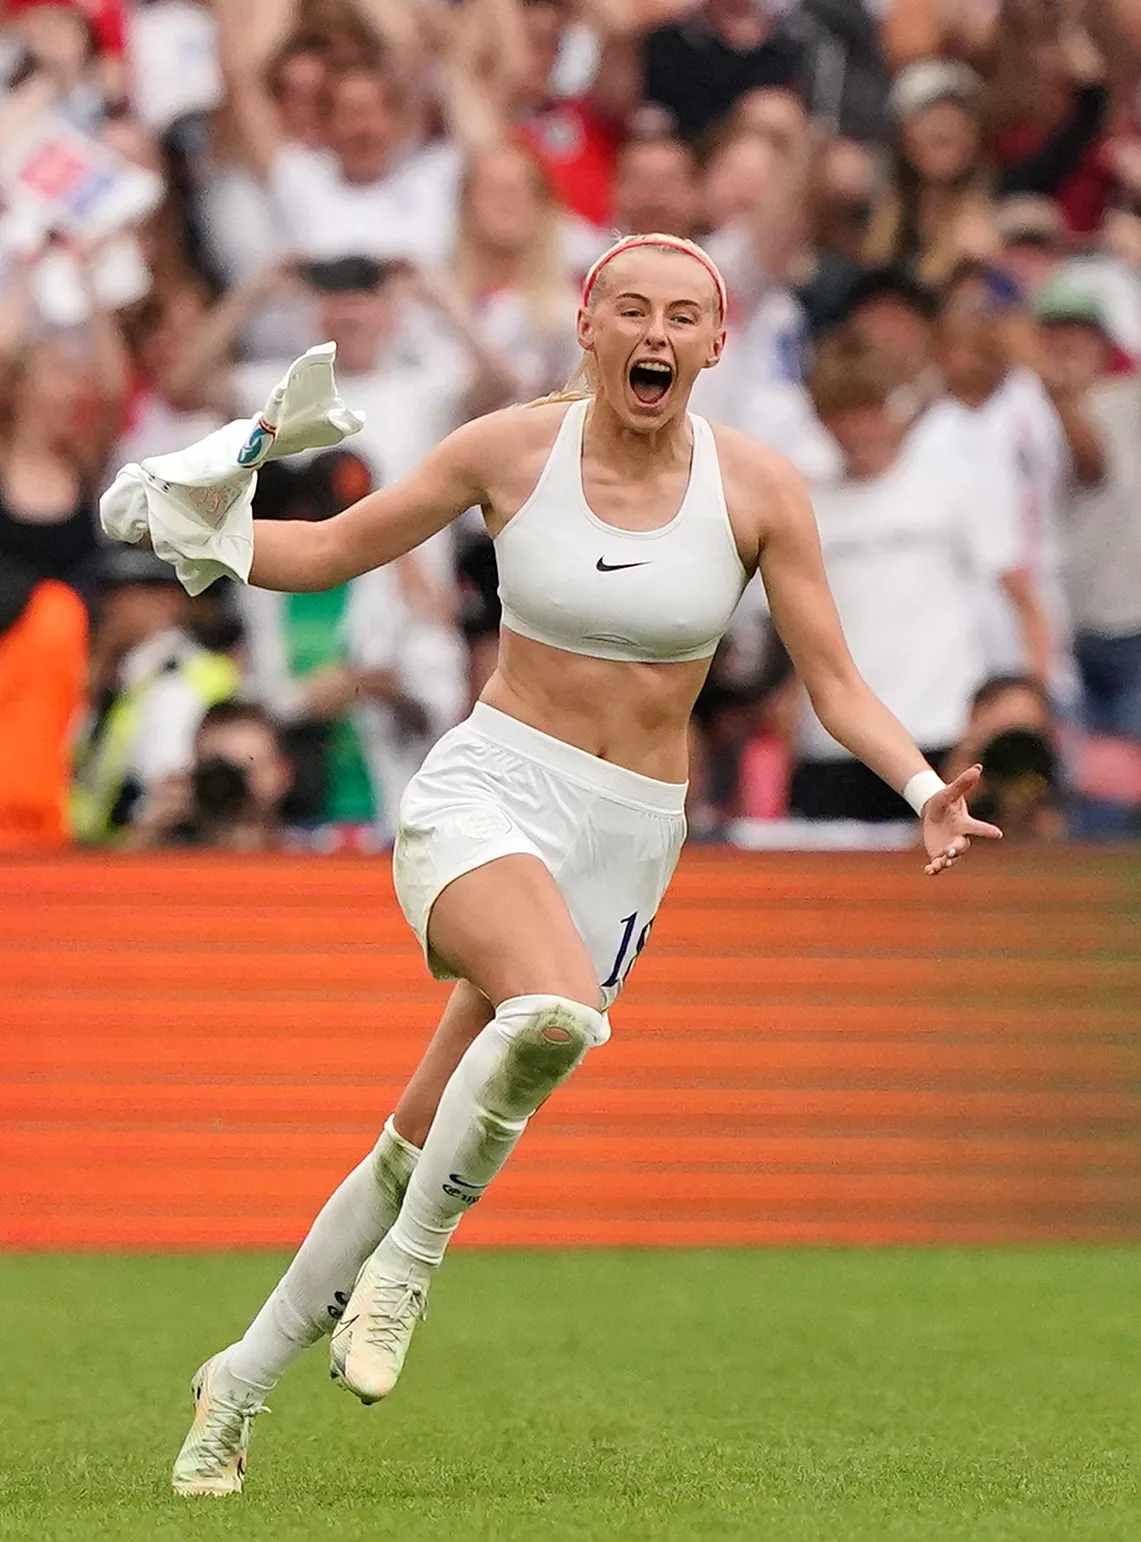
(537,841)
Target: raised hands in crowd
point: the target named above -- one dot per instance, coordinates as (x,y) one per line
(190,195)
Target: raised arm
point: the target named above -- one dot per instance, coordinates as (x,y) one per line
(111,367)
(395,25)
(15,318)
(299,557)
(249,34)
(805,616)
(203,367)
(483,60)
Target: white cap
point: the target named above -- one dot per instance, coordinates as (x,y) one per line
(927,81)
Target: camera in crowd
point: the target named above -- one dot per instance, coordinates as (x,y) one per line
(233,795)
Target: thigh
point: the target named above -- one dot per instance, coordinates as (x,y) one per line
(614,881)
(506,928)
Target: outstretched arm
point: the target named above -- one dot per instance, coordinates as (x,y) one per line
(792,568)
(299,557)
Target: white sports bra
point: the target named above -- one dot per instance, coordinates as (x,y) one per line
(568,579)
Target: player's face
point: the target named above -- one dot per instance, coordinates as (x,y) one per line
(652,326)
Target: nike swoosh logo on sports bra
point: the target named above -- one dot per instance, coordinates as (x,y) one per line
(616,567)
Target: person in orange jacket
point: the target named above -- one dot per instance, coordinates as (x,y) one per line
(43,668)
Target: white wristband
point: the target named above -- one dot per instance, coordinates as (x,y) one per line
(922,786)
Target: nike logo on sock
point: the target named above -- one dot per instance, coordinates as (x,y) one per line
(616,567)
(467,1193)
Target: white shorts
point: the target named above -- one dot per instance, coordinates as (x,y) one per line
(494,787)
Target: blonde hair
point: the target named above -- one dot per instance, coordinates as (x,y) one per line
(542,285)
(583,382)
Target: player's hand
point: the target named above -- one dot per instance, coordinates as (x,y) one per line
(948,825)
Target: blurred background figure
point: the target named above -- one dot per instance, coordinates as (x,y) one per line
(1013,734)
(232,795)
(365,677)
(43,663)
(1102,530)
(894,316)
(656,187)
(194,191)
(151,682)
(62,395)
(905,568)
(1003,423)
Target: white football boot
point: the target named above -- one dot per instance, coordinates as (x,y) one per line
(369,1343)
(213,1455)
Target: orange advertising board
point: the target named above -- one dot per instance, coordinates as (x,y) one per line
(821,1049)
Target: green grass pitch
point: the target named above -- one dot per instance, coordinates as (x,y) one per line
(802,1396)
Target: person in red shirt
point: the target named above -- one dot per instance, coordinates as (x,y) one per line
(105,19)
(500,82)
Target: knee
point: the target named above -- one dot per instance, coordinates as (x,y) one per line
(547,1037)
(569,1027)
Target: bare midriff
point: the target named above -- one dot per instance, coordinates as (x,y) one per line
(631,714)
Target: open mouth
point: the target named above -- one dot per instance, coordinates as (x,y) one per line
(650,379)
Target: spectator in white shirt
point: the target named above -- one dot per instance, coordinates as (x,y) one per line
(371,188)
(895,316)
(1102,509)
(903,565)
(410,400)
(1001,419)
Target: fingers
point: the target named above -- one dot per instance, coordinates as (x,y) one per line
(947,859)
(963,784)
(980,827)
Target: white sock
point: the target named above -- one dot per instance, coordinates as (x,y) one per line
(312,1293)
(508,1071)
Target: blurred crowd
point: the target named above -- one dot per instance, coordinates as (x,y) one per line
(928,213)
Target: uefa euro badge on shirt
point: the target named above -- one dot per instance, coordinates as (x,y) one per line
(257,447)
(304,412)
